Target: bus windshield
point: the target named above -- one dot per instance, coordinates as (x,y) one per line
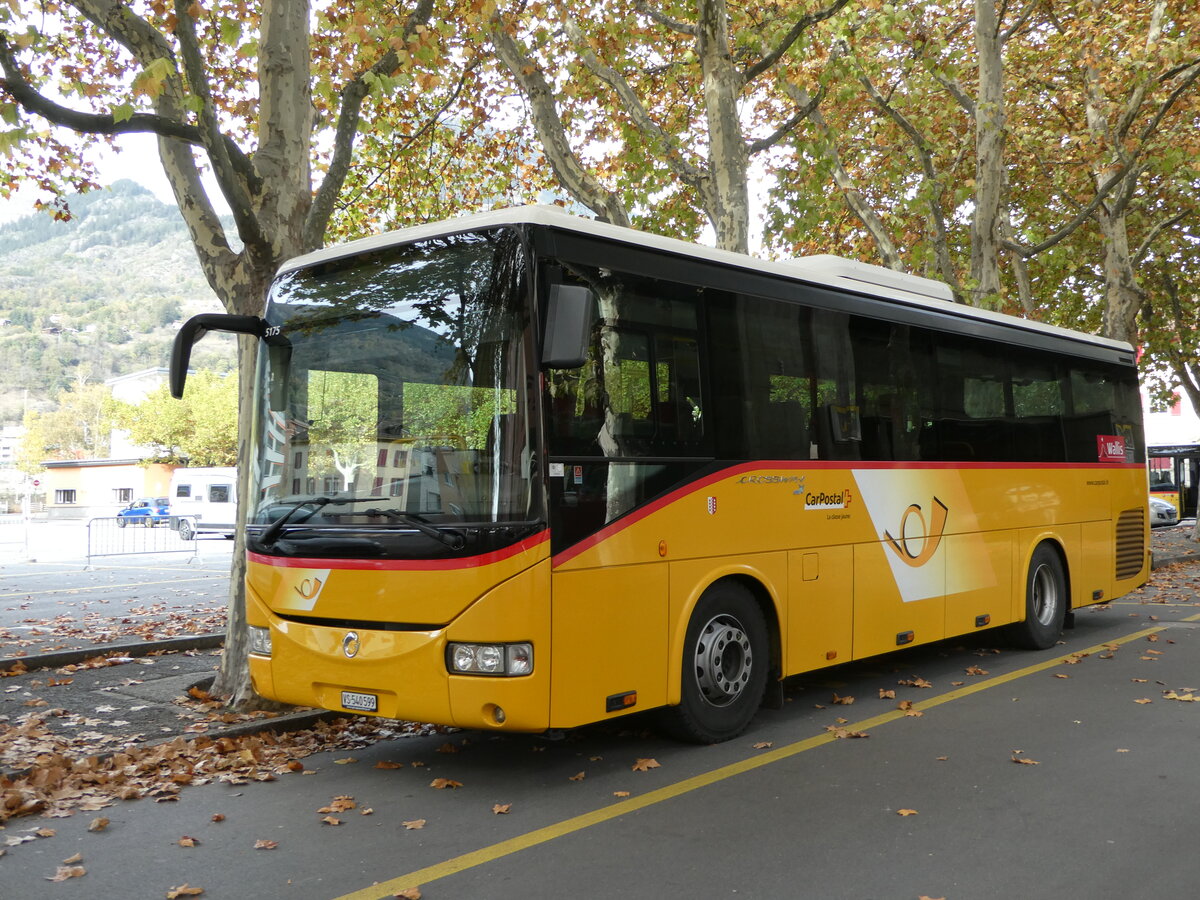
(392,415)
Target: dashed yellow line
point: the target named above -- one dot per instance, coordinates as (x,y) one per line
(624,807)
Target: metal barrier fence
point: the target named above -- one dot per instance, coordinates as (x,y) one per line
(121,537)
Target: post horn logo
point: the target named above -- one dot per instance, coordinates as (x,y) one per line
(351,644)
(932,530)
(309,588)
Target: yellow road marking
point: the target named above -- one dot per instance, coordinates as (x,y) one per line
(624,807)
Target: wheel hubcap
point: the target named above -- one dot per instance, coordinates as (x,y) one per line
(723,660)
(1045,596)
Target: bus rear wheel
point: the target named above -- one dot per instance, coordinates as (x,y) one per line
(725,663)
(1045,602)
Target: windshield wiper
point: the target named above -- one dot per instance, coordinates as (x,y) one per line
(452,539)
(275,528)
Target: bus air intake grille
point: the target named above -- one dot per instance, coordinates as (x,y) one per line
(1131,542)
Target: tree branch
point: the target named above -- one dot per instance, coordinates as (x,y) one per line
(349,113)
(806,110)
(662,19)
(802,24)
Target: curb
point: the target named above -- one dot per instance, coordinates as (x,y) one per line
(1158,561)
(58,658)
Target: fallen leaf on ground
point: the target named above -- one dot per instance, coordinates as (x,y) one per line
(578,776)
(345,761)
(71,860)
(331,820)
(414,825)
(98,824)
(620,793)
(886,695)
(184,890)
(408,894)
(65,872)
(645,765)
(842,701)
(442,783)
(264,844)
(218,817)
(187,841)
(975,670)
(1021,760)
(906,812)
(388,764)
(1143,701)
(764,745)
(501,808)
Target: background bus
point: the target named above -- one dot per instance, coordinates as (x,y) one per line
(1174,475)
(524,470)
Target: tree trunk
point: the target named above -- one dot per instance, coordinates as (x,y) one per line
(989,156)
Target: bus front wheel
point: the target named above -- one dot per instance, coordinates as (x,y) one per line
(725,663)
(1045,602)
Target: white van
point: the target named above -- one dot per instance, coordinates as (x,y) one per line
(203,500)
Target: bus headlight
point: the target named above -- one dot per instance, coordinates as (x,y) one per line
(490,659)
(260,641)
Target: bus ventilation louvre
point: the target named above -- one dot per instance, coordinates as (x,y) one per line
(1131,542)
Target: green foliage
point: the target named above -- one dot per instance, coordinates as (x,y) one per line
(200,429)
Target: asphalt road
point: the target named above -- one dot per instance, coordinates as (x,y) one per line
(53,597)
(1015,782)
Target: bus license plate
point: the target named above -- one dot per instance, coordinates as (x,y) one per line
(360,702)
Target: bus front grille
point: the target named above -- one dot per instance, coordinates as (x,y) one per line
(1131,542)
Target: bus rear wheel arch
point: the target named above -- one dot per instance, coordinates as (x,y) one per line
(726,662)
(1047,600)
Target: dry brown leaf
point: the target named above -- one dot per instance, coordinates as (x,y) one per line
(1061,675)
(620,793)
(501,809)
(264,844)
(184,890)
(65,872)
(1143,701)
(45,832)
(366,812)
(906,812)
(414,825)
(442,783)
(975,670)
(408,894)
(645,765)
(331,820)
(71,860)
(345,761)
(1022,761)
(187,841)
(917,683)
(578,776)
(388,764)
(218,817)
(886,695)
(842,701)
(763,745)
(98,824)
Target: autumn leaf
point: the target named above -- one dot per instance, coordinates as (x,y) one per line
(218,817)
(71,860)
(331,820)
(1143,701)
(501,809)
(886,694)
(414,825)
(578,776)
(442,783)
(763,745)
(345,761)
(264,844)
(98,824)
(409,894)
(45,832)
(906,812)
(1023,761)
(388,764)
(184,890)
(917,683)
(620,793)
(187,841)
(1061,675)
(366,812)
(842,701)
(65,872)
(975,670)
(645,765)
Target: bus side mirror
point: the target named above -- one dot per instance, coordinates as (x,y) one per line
(568,326)
(198,326)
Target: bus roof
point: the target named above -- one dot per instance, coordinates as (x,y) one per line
(829,271)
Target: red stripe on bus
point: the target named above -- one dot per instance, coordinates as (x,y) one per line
(796,464)
(408,565)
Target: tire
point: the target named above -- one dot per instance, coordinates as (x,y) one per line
(186,531)
(148,521)
(1045,602)
(120,522)
(725,662)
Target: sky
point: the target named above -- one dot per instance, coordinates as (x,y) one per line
(137,161)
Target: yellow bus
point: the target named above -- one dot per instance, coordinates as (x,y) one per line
(527,471)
